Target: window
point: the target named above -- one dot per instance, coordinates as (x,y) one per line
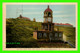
(45,14)
(40,35)
(45,19)
(46,27)
(50,27)
(51,35)
(49,14)
(56,34)
(60,34)
(45,35)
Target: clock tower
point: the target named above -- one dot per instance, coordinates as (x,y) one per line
(47,25)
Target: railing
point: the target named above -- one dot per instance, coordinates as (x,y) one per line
(73,46)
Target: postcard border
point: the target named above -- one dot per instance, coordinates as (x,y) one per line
(4,27)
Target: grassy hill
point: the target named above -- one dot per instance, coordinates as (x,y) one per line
(21,30)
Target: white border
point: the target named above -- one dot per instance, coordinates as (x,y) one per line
(33,49)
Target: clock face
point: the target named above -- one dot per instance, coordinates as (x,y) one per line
(49,19)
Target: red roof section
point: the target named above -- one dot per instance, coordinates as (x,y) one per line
(63,24)
(26,18)
(48,9)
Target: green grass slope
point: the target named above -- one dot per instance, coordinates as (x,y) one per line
(21,30)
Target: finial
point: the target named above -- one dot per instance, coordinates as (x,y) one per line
(48,6)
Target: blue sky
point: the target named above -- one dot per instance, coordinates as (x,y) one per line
(61,13)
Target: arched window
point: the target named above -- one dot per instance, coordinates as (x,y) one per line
(40,35)
(56,34)
(49,14)
(50,34)
(45,35)
(46,27)
(45,14)
(46,19)
(60,34)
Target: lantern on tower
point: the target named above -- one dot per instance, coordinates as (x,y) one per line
(48,15)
